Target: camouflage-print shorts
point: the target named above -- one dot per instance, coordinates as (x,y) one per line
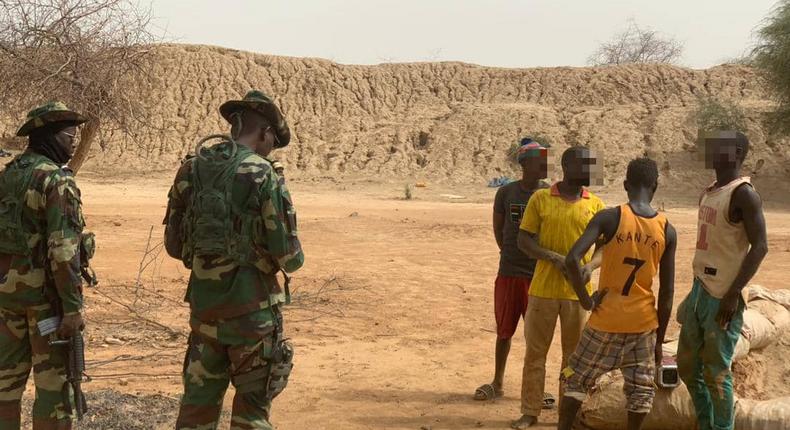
(220,352)
(22,347)
(601,352)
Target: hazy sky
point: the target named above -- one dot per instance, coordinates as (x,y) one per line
(508,33)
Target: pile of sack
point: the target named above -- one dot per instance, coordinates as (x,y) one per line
(767,315)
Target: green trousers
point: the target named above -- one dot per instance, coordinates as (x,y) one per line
(220,352)
(23,348)
(704,358)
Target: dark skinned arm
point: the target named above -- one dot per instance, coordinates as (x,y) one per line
(747,202)
(595,261)
(666,290)
(528,244)
(499,223)
(499,216)
(603,224)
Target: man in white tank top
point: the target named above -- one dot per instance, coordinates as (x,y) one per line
(731,244)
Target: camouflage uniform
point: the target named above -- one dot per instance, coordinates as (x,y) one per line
(235,313)
(52,215)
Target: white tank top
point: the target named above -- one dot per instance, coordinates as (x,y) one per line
(721,244)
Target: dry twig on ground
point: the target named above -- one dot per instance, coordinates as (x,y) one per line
(150,256)
(329,299)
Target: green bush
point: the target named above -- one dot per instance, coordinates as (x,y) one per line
(715,114)
(772,57)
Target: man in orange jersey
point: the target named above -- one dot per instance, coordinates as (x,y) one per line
(625,331)
(731,244)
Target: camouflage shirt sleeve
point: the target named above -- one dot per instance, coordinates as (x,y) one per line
(279,217)
(176,208)
(64,230)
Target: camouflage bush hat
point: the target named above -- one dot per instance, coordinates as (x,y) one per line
(263,104)
(47,114)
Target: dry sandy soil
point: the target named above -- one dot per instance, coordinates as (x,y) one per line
(393,316)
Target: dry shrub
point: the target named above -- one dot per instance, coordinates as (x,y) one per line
(82,52)
(715,114)
(637,45)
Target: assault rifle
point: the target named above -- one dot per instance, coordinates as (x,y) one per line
(75,366)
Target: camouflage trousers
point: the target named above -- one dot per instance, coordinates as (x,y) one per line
(23,348)
(222,352)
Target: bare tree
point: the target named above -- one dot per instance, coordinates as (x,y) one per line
(86,53)
(637,45)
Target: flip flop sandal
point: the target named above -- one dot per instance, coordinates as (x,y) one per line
(548,401)
(487,392)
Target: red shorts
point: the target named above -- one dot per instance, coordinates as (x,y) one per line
(510,303)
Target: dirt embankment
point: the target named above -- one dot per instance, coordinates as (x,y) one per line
(442,121)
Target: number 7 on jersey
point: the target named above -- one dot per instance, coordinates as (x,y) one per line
(637,263)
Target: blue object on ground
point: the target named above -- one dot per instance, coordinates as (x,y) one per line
(498,182)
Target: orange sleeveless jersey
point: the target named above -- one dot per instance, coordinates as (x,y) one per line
(630,262)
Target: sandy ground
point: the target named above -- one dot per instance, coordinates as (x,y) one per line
(393,317)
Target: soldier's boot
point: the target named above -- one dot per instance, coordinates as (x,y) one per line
(51,410)
(10,415)
(15,364)
(251,411)
(51,424)
(206,378)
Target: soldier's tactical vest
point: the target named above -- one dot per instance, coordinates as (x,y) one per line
(15,237)
(214,224)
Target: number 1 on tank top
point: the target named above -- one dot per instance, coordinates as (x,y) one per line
(702,241)
(637,263)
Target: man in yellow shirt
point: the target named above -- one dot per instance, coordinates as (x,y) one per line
(554,220)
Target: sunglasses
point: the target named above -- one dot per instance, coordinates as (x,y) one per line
(276,139)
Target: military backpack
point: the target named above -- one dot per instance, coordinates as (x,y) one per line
(15,237)
(214,224)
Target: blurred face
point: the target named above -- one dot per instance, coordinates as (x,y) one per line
(721,154)
(535,166)
(66,139)
(580,168)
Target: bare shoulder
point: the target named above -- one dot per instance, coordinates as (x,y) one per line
(608,213)
(670,233)
(746,197)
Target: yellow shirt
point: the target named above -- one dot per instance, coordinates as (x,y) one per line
(631,260)
(559,223)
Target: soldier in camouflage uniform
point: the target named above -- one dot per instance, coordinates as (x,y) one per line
(41,232)
(230,219)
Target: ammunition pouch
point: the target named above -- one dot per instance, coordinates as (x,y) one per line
(272,377)
(87,250)
(280,369)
